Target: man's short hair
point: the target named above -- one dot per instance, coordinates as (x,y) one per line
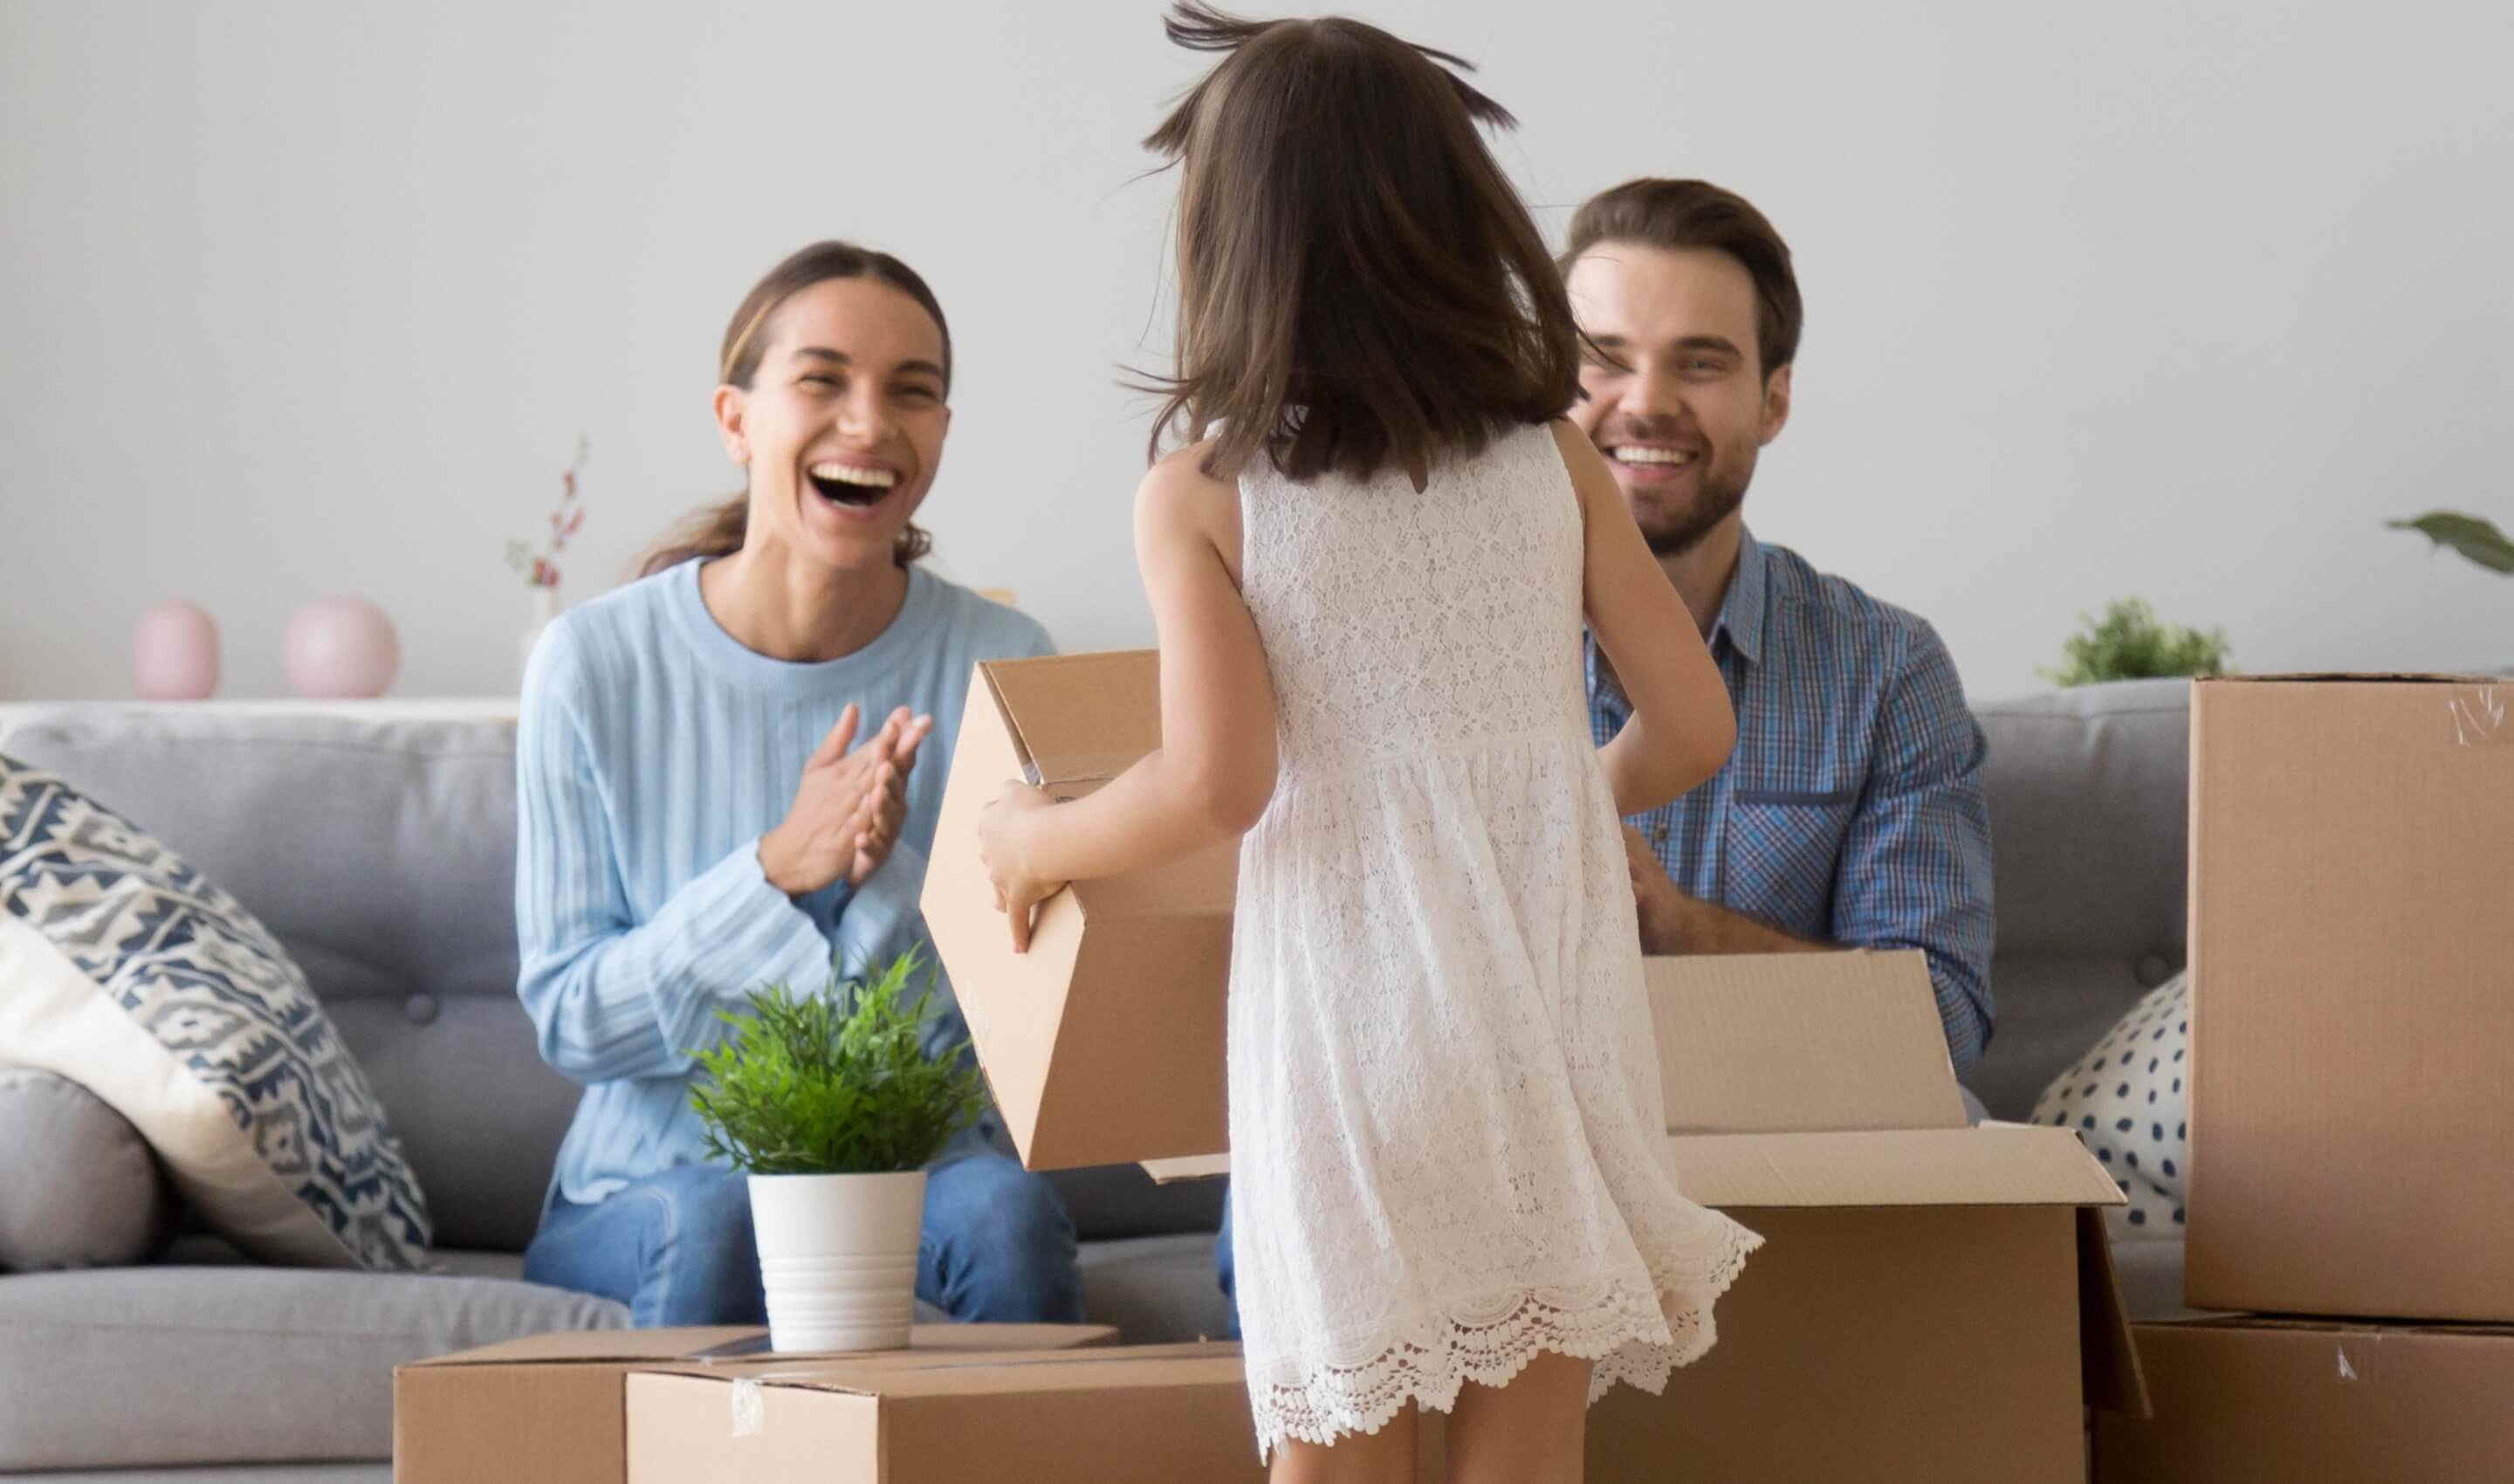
(1675,214)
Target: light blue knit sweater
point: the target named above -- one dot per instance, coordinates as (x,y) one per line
(652,754)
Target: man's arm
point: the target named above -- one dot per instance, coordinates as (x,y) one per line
(1915,870)
(1674,921)
(1915,867)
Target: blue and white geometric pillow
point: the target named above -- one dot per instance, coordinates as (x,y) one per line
(123,970)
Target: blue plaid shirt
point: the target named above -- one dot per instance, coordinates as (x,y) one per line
(1851,811)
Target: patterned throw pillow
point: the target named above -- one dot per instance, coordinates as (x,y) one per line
(2130,1102)
(124,971)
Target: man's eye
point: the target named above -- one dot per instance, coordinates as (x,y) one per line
(921,393)
(817,380)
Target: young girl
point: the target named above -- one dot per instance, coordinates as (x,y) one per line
(1369,586)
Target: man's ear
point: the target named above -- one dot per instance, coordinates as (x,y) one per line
(1777,404)
(732,406)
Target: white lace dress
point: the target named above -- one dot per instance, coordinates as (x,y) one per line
(1445,1113)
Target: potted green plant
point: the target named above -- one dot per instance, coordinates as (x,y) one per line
(831,1104)
(2129,643)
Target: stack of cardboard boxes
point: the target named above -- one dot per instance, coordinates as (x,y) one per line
(2352,1122)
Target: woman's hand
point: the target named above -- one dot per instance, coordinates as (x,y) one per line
(1003,843)
(847,809)
(886,806)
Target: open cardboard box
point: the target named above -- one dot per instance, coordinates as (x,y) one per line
(1104,1043)
(1932,1301)
(1142,1415)
(549,1409)
(2352,865)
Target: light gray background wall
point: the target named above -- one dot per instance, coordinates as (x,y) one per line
(2164,298)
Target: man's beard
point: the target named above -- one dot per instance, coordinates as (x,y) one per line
(1685,531)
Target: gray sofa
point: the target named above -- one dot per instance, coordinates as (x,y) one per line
(381,853)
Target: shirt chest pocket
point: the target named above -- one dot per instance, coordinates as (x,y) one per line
(1784,846)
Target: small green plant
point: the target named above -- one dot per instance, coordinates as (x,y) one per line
(2129,643)
(2475,538)
(837,1083)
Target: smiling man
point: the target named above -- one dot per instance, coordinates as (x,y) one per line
(1850,813)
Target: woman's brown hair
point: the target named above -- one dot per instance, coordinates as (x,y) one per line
(719,528)
(1359,285)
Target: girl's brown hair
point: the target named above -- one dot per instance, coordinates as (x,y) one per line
(1358,284)
(717,530)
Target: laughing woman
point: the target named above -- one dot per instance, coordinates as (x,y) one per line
(719,786)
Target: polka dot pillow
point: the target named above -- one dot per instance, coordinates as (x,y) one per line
(2129,1100)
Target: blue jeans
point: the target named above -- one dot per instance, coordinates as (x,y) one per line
(678,1247)
(1223,1269)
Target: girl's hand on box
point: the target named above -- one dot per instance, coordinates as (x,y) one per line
(1003,843)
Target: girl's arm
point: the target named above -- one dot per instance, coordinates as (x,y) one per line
(1681,725)
(1214,772)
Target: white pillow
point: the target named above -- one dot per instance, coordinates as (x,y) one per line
(2129,1102)
(124,971)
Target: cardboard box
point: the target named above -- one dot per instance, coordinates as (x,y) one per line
(1932,1301)
(2267,1401)
(549,1409)
(1104,1043)
(2352,855)
(1157,1413)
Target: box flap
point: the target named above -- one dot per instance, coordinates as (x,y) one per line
(1802,1042)
(908,1376)
(925,1342)
(1080,720)
(2360,677)
(588,1346)
(2325,1324)
(2107,1355)
(2002,1166)
(1166,1172)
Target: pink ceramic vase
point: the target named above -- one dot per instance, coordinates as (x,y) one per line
(339,648)
(174,653)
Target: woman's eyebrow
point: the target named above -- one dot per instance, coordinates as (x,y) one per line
(841,358)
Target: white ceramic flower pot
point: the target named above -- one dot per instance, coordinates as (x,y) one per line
(837,1257)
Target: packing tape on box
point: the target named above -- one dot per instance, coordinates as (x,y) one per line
(2478,715)
(750,1408)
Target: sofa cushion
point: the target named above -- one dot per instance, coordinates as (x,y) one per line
(78,1186)
(1109,1201)
(134,1367)
(383,856)
(125,970)
(247,1473)
(1155,1290)
(2087,789)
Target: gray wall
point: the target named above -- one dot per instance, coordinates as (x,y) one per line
(2167,298)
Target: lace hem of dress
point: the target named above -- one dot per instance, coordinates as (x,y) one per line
(1612,1324)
